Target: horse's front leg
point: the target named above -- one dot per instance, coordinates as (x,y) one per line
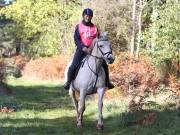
(100,106)
(75,101)
(81,109)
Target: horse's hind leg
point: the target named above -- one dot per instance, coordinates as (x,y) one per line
(100,106)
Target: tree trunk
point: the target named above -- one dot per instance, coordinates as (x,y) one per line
(178,71)
(154,18)
(141,6)
(133,29)
(18,46)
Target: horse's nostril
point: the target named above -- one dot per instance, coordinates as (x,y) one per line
(110,60)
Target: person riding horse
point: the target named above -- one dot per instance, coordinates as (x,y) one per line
(85,33)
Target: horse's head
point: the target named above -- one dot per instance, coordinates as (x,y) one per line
(102,48)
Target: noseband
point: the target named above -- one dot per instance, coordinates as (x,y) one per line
(103,54)
(108,53)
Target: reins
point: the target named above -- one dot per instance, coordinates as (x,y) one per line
(96,57)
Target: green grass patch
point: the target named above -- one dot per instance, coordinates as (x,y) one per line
(44,108)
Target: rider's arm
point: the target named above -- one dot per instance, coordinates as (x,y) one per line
(77,39)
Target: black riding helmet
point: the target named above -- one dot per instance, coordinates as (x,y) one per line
(87,11)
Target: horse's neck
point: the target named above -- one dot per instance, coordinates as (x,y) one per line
(94,62)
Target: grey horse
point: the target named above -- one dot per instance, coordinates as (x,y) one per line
(91,78)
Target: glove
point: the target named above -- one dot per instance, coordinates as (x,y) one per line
(87,50)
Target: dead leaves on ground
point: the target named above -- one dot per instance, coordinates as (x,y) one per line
(147,119)
(6,110)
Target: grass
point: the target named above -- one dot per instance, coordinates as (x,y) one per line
(44,108)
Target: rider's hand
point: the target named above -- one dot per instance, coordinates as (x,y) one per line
(87,50)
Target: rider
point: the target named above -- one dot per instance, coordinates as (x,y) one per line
(84,34)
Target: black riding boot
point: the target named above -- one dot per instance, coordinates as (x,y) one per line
(70,75)
(108,83)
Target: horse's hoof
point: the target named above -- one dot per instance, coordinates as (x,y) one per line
(79,125)
(100,127)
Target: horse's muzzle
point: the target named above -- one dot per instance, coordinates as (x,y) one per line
(110,59)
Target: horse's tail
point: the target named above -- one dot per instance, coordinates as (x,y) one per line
(66,70)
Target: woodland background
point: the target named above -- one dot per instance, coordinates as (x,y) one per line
(36,42)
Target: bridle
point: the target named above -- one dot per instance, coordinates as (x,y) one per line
(106,53)
(96,57)
(103,54)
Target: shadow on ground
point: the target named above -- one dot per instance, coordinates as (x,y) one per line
(37,98)
(167,123)
(41,98)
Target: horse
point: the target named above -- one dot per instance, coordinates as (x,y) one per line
(91,78)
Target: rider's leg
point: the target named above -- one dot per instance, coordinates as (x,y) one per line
(70,74)
(108,83)
(78,57)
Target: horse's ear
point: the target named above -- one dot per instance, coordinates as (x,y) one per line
(104,34)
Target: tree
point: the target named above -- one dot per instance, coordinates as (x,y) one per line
(115,17)
(142,4)
(164,35)
(40,26)
(133,29)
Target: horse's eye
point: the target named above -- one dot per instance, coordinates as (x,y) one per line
(100,46)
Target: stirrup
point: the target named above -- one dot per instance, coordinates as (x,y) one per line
(67,85)
(110,85)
